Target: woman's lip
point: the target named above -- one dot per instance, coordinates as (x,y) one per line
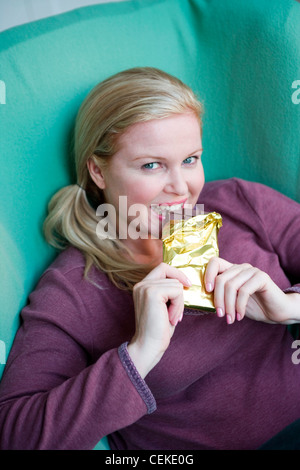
(175,203)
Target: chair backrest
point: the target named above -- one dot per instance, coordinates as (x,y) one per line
(242,58)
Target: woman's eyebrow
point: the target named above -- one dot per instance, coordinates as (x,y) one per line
(157,157)
(140,157)
(196,151)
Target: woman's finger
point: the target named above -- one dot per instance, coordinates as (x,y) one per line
(214,267)
(234,286)
(164,271)
(227,284)
(157,295)
(256,283)
(176,305)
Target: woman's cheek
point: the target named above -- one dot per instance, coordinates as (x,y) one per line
(144,193)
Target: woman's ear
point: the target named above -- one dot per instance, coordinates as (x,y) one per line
(96,172)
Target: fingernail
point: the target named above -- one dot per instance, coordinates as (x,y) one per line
(189,283)
(220,312)
(178,320)
(209,286)
(229,319)
(238,317)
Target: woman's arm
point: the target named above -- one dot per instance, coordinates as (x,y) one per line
(276,218)
(73,415)
(51,395)
(241,289)
(158,302)
(279,218)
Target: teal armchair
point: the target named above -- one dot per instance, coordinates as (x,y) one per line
(242,59)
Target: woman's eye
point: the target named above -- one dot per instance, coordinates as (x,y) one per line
(190,160)
(151,166)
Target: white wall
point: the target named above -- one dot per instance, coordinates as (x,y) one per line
(15,12)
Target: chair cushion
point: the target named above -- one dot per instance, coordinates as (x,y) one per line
(242,59)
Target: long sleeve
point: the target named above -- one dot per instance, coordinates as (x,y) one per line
(53,395)
(261,226)
(280,218)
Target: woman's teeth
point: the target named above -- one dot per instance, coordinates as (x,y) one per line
(160,209)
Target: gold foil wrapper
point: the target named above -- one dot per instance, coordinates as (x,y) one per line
(188,245)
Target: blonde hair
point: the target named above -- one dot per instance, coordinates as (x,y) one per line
(132,96)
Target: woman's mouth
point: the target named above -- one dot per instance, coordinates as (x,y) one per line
(162,210)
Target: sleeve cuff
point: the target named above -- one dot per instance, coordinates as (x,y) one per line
(295,289)
(136,379)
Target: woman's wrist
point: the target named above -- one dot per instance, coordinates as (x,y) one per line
(293,299)
(143,359)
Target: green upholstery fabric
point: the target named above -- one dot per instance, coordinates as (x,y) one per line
(241,58)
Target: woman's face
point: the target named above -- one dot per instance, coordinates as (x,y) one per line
(158,163)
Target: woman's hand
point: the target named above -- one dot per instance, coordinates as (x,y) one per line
(241,289)
(158,303)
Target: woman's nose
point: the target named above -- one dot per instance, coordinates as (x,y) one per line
(176,183)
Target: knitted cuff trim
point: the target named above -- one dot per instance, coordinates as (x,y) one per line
(136,379)
(295,289)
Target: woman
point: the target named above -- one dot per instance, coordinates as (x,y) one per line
(106,346)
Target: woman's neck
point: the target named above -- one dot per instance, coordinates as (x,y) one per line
(149,251)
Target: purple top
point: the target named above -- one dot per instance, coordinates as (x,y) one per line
(69,380)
